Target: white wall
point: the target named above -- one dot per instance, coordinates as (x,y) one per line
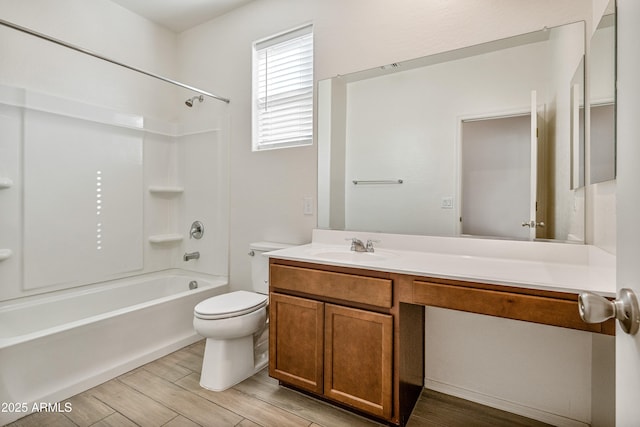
(266,188)
(538,371)
(53,69)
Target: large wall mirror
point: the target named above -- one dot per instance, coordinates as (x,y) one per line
(476,141)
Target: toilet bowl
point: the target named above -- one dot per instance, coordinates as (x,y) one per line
(235,327)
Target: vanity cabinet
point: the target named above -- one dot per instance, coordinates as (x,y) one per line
(332,334)
(356,337)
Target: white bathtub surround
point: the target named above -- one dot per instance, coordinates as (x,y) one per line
(125,207)
(94,333)
(542,372)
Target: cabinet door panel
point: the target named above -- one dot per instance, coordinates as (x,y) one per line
(296,341)
(358,359)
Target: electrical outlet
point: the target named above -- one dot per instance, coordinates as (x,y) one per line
(307,206)
(447,203)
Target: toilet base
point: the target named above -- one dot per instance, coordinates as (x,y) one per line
(229,362)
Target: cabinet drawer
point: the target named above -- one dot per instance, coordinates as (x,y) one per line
(529,308)
(348,287)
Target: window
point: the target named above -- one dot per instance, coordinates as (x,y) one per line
(283,90)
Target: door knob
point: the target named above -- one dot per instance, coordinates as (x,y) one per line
(595,309)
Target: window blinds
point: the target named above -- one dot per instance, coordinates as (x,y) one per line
(283,90)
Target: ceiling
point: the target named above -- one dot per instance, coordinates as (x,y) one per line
(179,15)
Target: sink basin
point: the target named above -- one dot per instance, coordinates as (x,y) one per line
(351,256)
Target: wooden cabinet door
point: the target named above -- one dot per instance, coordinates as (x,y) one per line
(296,341)
(358,359)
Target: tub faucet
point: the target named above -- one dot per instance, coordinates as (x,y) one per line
(191,255)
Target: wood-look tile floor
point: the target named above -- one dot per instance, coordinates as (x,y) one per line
(166,393)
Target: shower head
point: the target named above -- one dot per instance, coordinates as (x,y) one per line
(189,102)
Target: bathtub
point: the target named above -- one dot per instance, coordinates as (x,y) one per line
(55,346)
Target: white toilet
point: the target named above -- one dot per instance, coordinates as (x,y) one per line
(235,326)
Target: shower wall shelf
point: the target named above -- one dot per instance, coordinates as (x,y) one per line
(165,238)
(165,189)
(5,254)
(5,182)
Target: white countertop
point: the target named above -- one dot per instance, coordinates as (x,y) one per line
(550,266)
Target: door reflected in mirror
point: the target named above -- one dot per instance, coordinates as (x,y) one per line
(405,121)
(496,177)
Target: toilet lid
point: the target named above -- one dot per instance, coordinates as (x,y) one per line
(229,305)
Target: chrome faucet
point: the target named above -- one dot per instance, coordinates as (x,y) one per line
(358,246)
(191,255)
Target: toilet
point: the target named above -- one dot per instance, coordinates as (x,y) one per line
(235,326)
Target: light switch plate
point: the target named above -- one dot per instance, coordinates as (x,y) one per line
(307,205)
(447,203)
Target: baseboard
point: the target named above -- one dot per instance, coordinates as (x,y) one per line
(504,405)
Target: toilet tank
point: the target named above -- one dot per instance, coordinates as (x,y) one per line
(260,264)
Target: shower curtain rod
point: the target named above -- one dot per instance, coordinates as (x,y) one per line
(104,58)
